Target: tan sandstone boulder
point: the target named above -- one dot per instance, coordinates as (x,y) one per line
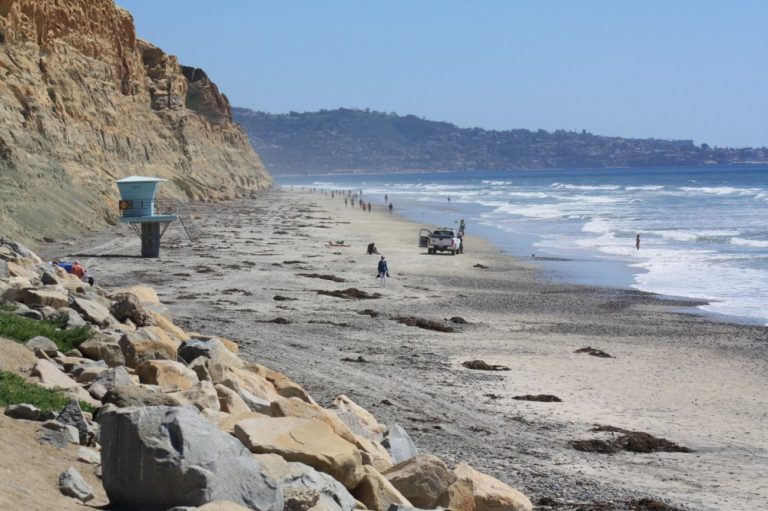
(377,493)
(144,294)
(359,420)
(307,441)
(229,401)
(148,343)
(284,386)
(53,297)
(424,480)
(490,494)
(169,375)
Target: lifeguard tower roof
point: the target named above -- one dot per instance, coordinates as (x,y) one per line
(137,200)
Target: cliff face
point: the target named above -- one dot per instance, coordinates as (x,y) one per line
(83,103)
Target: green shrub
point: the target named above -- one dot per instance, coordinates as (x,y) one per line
(15,390)
(22,329)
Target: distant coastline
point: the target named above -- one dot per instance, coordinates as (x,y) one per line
(365,141)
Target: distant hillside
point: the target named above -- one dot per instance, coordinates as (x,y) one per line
(364,140)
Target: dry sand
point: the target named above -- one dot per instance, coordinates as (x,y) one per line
(686,378)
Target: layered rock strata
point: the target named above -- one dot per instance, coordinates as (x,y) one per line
(83,102)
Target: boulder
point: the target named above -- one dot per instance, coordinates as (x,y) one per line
(23,411)
(284,386)
(47,311)
(91,310)
(87,374)
(54,297)
(147,343)
(109,380)
(377,493)
(15,288)
(51,376)
(128,308)
(169,375)
(89,456)
(230,401)
(135,395)
(72,415)
(307,441)
(399,444)
(159,457)
(424,480)
(104,346)
(305,488)
(212,349)
(222,505)
(359,420)
(18,270)
(50,278)
(44,344)
(72,484)
(70,317)
(490,494)
(201,395)
(23,252)
(239,379)
(59,434)
(143,294)
(167,326)
(26,312)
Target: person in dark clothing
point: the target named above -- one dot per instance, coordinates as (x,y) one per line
(372,249)
(383,272)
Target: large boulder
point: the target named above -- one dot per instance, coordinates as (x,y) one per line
(109,380)
(307,441)
(155,458)
(230,402)
(72,484)
(148,343)
(91,310)
(142,294)
(135,395)
(399,444)
(127,307)
(169,375)
(211,348)
(43,344)
(284,386)
(489,493)
(359,420)
(70,317)
(51,376)
(55,297)
(424,480)
(103,346)
(202,395)
(377,493)
(305,488)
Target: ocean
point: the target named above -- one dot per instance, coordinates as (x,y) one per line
(703,230)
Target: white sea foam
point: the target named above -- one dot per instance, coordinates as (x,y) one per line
(721,190)
(645,188)
(597,225)
(564,186)
(742,242)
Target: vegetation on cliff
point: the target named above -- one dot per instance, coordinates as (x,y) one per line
(365,140)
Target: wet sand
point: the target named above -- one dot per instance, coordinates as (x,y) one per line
(689,379)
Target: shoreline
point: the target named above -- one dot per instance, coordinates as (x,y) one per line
(695,381)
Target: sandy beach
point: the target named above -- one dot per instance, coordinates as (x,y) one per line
(696,382)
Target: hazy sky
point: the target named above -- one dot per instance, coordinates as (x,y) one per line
(693,69)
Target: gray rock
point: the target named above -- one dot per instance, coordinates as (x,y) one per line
(72,415)
(57,434)
(399,444)
(211,348)
(47,311)
(135,395)
(110,380)
(71,318)
(305,488)
(72,484)
(91,310)
(88,456)
(155,458)
(58,439)
(49,278)
(44,344)
(29,313)
(104,346)
(128,308)
(23,411)
(23,251)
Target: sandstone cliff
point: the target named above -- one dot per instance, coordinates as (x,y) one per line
(83,102)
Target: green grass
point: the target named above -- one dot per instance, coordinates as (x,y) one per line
(23,329)
(15,390)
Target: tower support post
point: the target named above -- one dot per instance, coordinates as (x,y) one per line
(150,239)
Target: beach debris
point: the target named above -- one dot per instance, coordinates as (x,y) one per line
(359,359)
(426,324)
(458,320)
(492,396)
(293,262)
(234,290)
(626,440)
(478,265)
(280,298)
(593,351)
(278,321)
(332,278)
(318,322)
(482,365)
(351,293)
(542,398)
(369,312)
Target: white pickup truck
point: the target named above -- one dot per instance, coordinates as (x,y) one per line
(443,239)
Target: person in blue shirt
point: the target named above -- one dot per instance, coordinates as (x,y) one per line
(383,271)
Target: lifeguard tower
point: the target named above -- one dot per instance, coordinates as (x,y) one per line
(139,206)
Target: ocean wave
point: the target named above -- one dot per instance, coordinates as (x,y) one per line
(564,186)
(743,242)
(644,188)
(597,226)
(721,190)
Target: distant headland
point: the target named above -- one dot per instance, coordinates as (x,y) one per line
(345,140)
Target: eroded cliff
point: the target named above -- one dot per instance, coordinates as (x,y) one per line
(83,102)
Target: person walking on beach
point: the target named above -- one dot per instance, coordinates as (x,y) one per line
(386,198)
(390,208)
(383,272)
(637,242)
